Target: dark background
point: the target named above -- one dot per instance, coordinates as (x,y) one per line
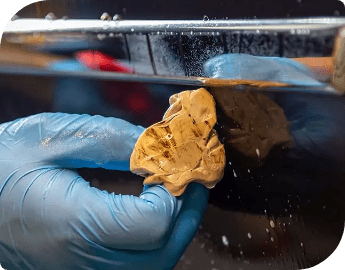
(186,9)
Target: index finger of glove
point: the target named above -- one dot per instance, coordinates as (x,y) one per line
(72,141)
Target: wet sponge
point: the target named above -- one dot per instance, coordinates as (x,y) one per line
(183,147)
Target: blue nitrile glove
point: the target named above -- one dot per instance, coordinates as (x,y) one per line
(249,67)
(316,121)
(52,219)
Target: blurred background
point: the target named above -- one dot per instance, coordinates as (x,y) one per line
(266,218)
(185,9)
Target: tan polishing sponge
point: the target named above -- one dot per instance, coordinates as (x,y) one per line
(183,147)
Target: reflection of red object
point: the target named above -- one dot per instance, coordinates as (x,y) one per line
(127,96)
(136,102)
(96,60)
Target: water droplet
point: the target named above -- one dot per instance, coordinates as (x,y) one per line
(272,239)
(229,162)
(111,35)
(324,207)
(132,29)
(267,230)
(258,31)
(117,17)
(292,31)
(302,245)
(50,16)
(257,152)
(235,175)
(248,171)
(272,223)
(206,18)
(225,240)
(101,36)
(249,236)
(105,17)
(191,32)
(241,252)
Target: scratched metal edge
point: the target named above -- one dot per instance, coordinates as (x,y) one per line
(166,26)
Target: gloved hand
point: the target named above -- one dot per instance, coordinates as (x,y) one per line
(316,121)
(52,219)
